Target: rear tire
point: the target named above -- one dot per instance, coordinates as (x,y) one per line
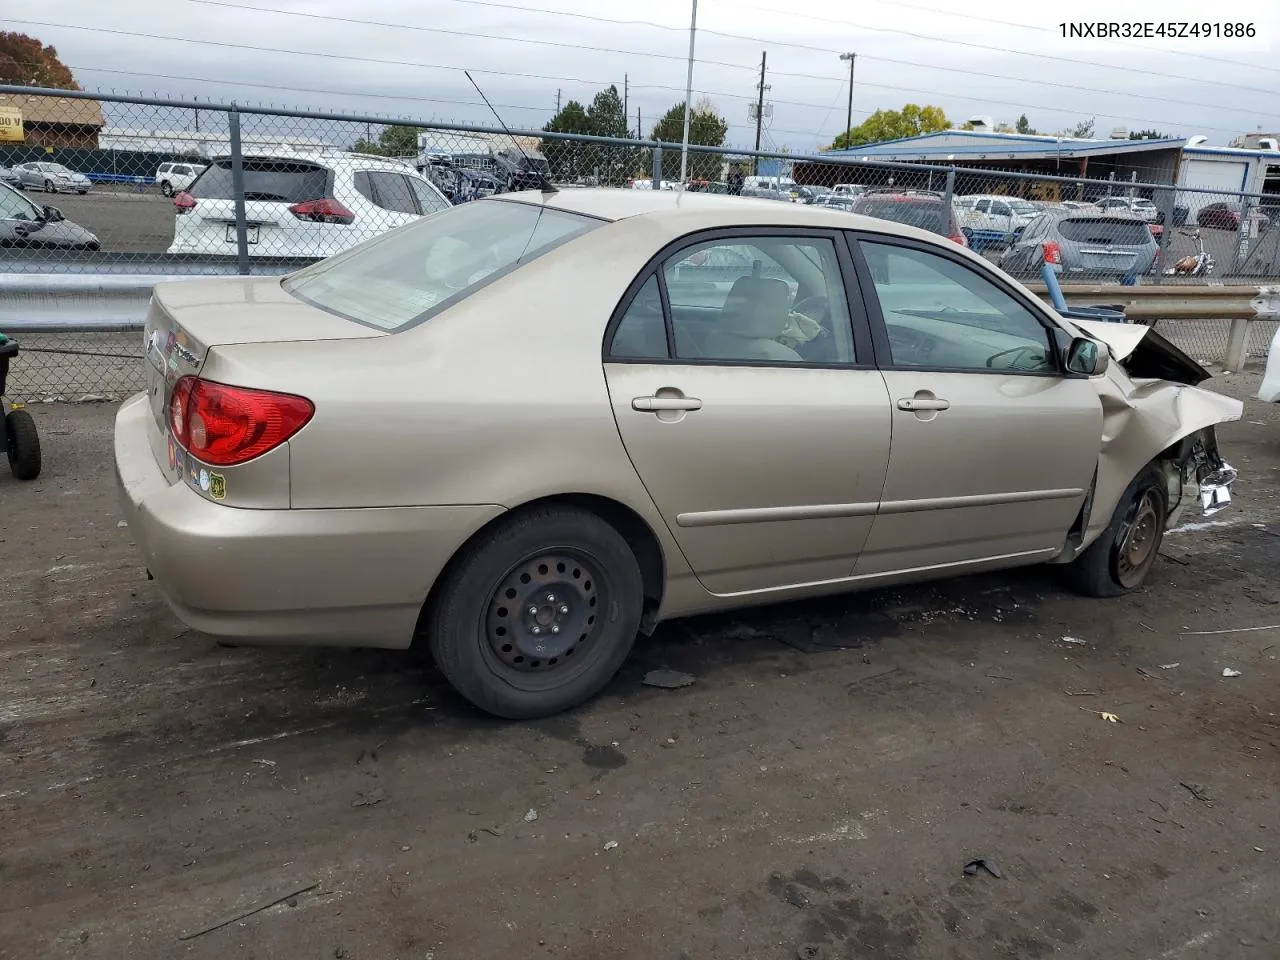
(49,187)
(537,614)
(1120,559)
(22,443)
(166,188)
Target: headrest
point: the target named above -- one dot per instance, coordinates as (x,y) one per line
(756,307)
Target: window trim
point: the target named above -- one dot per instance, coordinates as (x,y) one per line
(860,325)
(880,331)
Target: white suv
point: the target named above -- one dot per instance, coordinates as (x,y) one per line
(175,177)
(301,205)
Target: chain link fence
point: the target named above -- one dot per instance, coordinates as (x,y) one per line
(104,184)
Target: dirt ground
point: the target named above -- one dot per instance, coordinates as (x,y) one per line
(799,800)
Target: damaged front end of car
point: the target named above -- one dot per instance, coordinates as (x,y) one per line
(1154,412)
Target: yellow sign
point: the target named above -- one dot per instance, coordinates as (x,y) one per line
(11,125)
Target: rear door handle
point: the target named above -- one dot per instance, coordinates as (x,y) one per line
(917,404)
(657,404)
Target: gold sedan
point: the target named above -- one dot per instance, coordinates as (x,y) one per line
(529,427)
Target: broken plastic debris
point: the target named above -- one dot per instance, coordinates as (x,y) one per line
(1228,672)
(611,845)
(531,816)
(982,863)
(1109,717)
(123,523)
(668,679)
(1169,666)
(1075,640)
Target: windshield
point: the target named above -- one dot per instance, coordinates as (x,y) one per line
(915,213)
(265,178)
(401,278)
(1021,206)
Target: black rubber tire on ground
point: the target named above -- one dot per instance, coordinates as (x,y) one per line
(1106,567)
(22,443)
(460,629)
(49,187)
(166,188)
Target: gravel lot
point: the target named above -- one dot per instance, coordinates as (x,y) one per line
(154,784)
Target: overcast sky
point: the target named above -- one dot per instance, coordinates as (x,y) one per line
(1237,91)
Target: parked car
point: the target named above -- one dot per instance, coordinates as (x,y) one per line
(524,431)
(24,224)
(1226,216)
(1086,245)
(301,206)
(51,178)
(992,220)
(835,201)
(174,177)
(1139,207)
(10,178)
(914,208)
(521,169)
(1269,389)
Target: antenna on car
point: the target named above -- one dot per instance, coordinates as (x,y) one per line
(546,185)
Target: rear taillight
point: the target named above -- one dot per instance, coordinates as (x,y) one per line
(322,211)
(184,202)
(960,239)
(1052,253)
(223,425)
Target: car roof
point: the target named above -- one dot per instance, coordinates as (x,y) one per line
(364,160)
(699,210)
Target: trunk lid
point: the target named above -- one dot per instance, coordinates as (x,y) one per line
(187,318)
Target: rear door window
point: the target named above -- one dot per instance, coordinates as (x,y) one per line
(266,179)
(1104,230)
(390,191)
(428,200)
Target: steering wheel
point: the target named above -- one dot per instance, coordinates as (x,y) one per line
(1019,353)
(814,307)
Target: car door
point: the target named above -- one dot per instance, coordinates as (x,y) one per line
(745,394)
(994,447)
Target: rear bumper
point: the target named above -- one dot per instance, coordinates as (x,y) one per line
(328,577)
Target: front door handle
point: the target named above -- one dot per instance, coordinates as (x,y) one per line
(917,404)
(658,404)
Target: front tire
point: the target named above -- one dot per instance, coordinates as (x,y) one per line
(22,443)
(166,188)
(1120,559)
(538,613)
(49,187)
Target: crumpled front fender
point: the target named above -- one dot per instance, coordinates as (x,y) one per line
(1142,420)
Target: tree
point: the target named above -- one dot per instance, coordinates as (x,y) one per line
(706,127)
(1024,125)
(572,118)
(394,141)
(25,60)
(605,116)
(1149,135)
(1083,130)
(911,121)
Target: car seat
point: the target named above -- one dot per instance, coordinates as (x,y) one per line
(754,314)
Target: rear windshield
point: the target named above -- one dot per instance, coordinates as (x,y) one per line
(914,213)
(269,179)
(401,278)
(1105,230)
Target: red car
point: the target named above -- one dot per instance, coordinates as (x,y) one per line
(1226,216)
(916,209)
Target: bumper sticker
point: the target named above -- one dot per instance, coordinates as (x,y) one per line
(204,480)
(217,486)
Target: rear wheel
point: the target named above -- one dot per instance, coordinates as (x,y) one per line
(537,614)
(49,187)
(1120,559)
(22,443)
(166,188)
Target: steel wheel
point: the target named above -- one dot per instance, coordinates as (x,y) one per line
(1139,541)
(543,618)
(49,187)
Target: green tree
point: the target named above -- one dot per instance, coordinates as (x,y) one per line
(1024,125)
(1083,130)
(706,127)
(605,116)
(911,121)
(572,118)
(1149,135)
(26,61)
(394,141)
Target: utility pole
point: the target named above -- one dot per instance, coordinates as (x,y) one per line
(848,120)
(688,95)
(625,90)
(557,99)
(764,58)
(639,126)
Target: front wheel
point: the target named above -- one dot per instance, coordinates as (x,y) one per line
(49,187)
(22,443)
(538,613)
(166,188)
(1120,559)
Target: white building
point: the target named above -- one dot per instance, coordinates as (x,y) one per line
(1226,169)
(196,143)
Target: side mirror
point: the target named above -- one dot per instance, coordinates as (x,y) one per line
(1087,358)
(52,214)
